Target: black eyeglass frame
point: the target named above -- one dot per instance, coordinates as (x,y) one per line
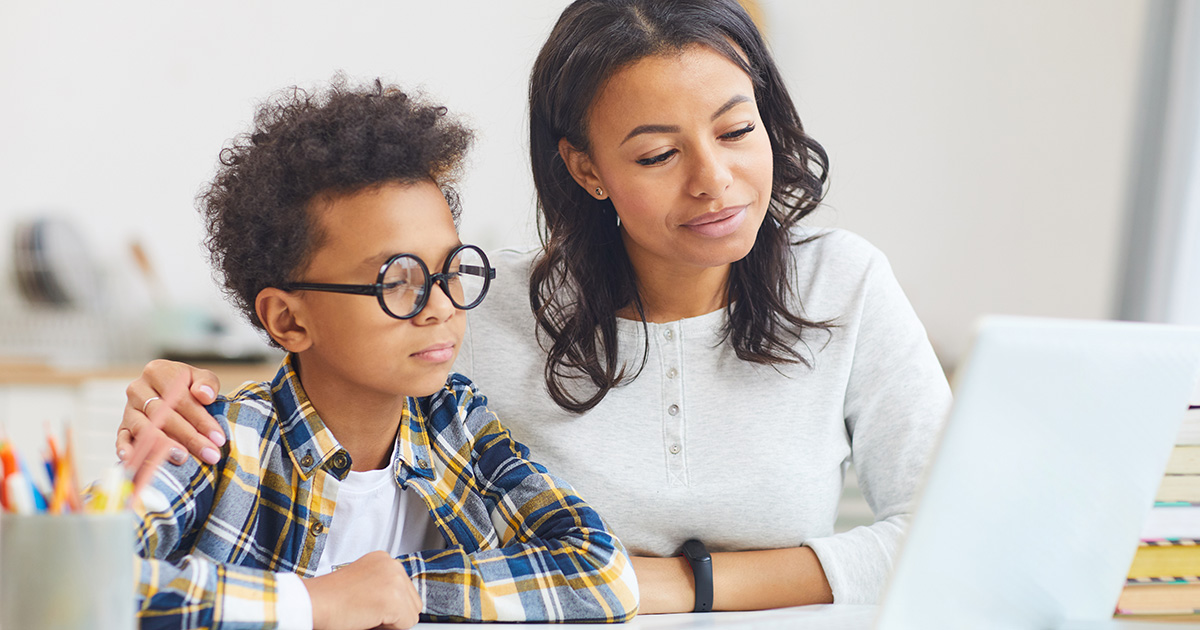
(377,289)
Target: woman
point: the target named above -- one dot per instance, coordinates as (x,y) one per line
(696,363)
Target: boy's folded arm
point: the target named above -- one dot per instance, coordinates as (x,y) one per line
(552,558)
(186,591)
(194,592)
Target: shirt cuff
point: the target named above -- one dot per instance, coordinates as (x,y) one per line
(293,606)
(857,563)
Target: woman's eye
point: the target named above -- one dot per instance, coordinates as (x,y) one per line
(734,135)
(657,159)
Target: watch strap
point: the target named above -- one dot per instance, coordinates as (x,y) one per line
(701,562)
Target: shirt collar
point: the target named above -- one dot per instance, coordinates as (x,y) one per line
(310,443)
(307,440)
(414,442)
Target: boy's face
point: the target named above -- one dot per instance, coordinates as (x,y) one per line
(352,339)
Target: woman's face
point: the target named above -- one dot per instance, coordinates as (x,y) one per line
(678,145)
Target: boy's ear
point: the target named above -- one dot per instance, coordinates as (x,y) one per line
(283,315)
(581,168)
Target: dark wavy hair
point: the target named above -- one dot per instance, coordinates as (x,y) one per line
(335,141)
(584,275)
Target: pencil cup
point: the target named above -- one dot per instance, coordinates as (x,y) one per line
(66,571)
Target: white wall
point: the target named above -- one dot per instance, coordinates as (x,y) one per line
(982,145)
(114,113)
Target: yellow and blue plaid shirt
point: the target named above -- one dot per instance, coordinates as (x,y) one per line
(521,545)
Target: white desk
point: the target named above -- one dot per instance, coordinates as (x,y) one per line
(831,617)
(848,617)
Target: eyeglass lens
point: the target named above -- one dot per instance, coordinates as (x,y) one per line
(404,282)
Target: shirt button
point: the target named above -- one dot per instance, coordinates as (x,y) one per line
(307,460)
(674,449)
(318,528)
(671,373)
(339,460)
(669,334)
(422,463)
(673,409)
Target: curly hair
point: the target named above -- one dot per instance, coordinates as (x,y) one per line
(339,140)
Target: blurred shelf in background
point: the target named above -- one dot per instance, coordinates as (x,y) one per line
(34,396)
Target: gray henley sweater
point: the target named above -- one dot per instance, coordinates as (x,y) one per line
(742,456)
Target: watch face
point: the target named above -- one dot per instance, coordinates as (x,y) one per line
(696,552)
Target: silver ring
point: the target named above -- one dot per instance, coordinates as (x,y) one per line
(147,403)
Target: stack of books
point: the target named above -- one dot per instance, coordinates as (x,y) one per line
(1164,581)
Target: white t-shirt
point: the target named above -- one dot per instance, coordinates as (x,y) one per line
(742,456)
(372,513)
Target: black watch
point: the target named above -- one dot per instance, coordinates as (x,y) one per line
(701,562)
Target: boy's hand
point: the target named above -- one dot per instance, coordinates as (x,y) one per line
(371,592)
(184,421)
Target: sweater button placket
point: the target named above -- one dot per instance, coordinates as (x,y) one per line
(672,391)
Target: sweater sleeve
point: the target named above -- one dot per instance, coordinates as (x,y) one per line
(896,400)
(547,557)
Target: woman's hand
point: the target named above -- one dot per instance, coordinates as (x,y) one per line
(170,418)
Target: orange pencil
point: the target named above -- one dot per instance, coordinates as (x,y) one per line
(74,500)
(52,445)
(59,495)
(8,466)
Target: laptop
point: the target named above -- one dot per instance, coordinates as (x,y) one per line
(1033,501)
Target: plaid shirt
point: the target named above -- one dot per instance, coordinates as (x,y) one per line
(521,545)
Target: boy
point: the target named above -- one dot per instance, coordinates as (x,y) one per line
(335,233)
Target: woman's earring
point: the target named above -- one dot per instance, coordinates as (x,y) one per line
(599,193)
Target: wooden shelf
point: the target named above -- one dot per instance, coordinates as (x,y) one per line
(231,375)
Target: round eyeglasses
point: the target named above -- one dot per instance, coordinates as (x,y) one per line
(404,282)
